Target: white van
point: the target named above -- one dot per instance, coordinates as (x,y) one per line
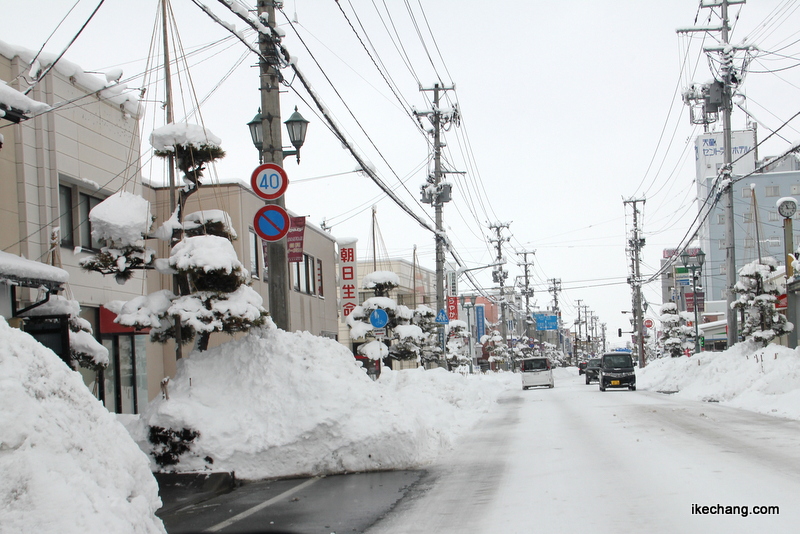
(536,372)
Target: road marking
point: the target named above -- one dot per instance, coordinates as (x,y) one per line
(258,507)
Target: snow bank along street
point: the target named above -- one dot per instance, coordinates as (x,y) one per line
(280,404)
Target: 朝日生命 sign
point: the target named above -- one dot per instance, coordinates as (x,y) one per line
(348,277)
(269,181)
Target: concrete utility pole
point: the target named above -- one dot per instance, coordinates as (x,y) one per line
(603,330)
(578,340)
(719,96)
(528,291)
(635,244)
(555,289)
(499,274)
(441,192)
(272,152)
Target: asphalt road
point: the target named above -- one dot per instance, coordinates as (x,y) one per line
(342,503)
(568,459)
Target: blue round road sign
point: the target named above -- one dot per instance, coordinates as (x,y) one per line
(271,223)
(269,181)
(378,318)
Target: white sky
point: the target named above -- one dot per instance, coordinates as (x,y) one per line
(562,115)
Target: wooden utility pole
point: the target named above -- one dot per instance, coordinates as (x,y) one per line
(272,152)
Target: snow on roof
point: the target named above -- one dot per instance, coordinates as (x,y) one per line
(12,98)
(184,134)
(12,266)
(116,94)
(123,218)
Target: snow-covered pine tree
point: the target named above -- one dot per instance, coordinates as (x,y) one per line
(457,345)
(757,293)
(676,335)
(213,291)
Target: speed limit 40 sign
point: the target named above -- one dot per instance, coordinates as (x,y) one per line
(269,181)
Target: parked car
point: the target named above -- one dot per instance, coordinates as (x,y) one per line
(582,367)
(616,371)
(592,370)
(536,372)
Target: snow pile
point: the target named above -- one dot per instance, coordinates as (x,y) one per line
(67,465)
(764,380)
(277,404)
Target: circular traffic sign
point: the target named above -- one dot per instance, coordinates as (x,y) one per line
(648,323)
(378,318)
(269,181)
(271,223)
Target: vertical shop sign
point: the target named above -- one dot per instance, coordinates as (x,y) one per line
(294,239)
(348,276)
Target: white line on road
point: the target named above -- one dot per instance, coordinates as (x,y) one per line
(256,508)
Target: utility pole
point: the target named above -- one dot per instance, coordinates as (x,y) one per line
(716,96)
(555,289)
(603,330)
(440,192)
(272,152)
(578,340)
(588,345)
(528,292)
(635,244)
(499,274)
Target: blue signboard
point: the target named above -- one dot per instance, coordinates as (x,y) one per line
(378,318)
(480,322)
(545,322)
(442,318)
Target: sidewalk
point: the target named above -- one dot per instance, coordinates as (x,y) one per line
(183,489)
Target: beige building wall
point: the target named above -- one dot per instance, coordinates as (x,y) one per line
(87,145)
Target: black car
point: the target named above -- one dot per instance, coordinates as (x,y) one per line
(616,371)
(581,368)
(592,370)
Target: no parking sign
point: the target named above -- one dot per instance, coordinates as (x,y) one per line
(271,223)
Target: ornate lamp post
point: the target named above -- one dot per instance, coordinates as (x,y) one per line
(296,126)
(696,269)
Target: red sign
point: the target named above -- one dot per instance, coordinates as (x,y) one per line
(271,223)
(783,302)
(452,308)
(294,241)
(269,181)
(648,323)
(701,302)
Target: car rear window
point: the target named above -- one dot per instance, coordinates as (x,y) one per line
(538,364)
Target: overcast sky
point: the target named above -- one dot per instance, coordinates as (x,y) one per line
(568,109)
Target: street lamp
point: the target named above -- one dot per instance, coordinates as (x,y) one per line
(695,268)
(295,124)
